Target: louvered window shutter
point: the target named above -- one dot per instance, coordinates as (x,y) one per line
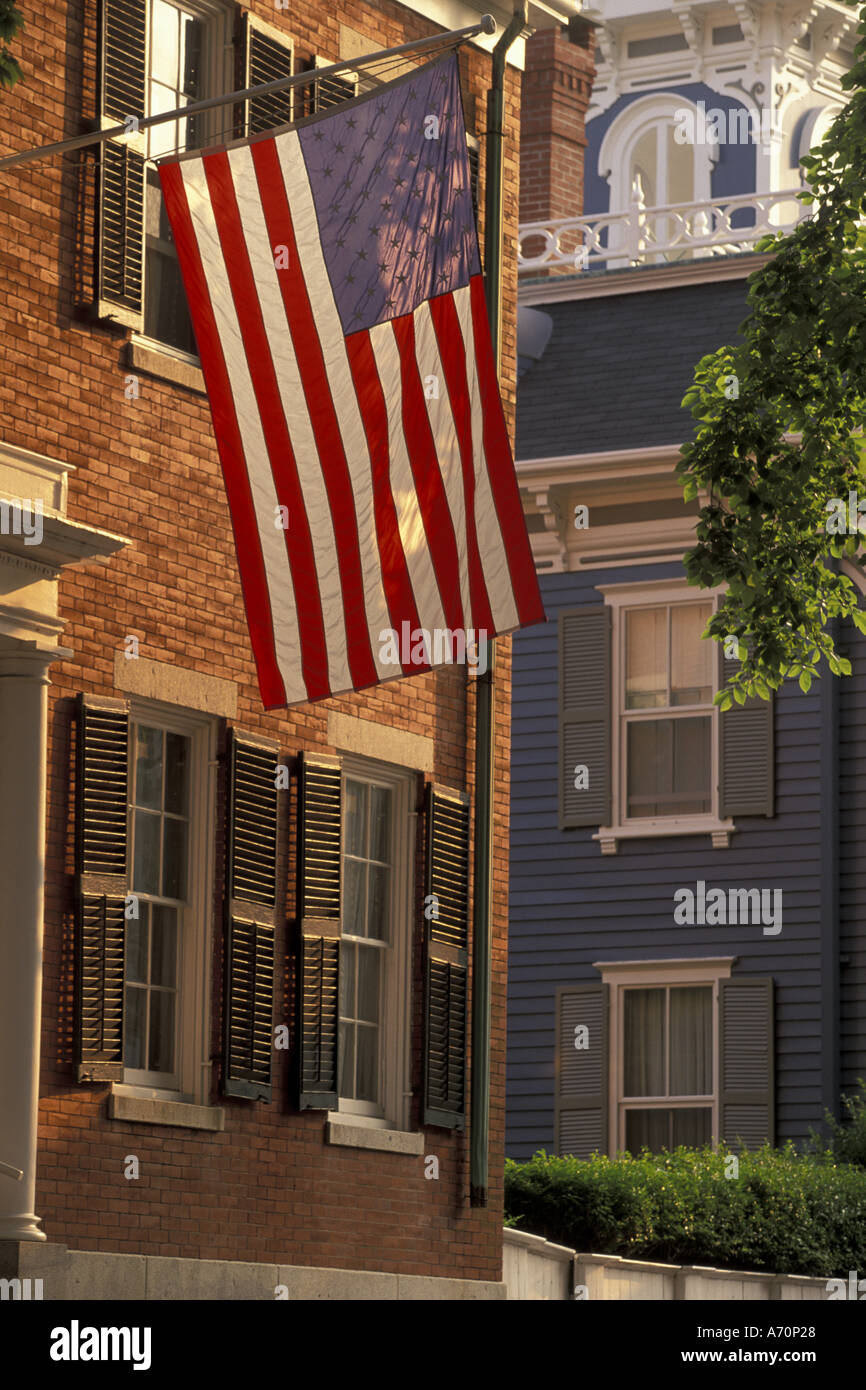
(251,899)
(582,1070)
(746,1082)
(333,90)
(446,921)
(268,54)
(102,813)
(584,717)
(120,239)
(474,151)
(319,875)
(746,753)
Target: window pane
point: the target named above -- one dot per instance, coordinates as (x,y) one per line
(133,1028)
(192,32)
(145,874)
(356,817)
(148,767)
(162,139)
(691,659)
(174,859)
(644,165)
(176,773)
(164,36)
(346,1085)
(354,889)
(348,963)
(681,170)
(136,945)
(646,659)
(668,766)
(368,1063)
(161,1040)
(691,1068)
(647,1128)
(378,914)
(644,1014)
(380,824)
(692,1127)
(163,953)
(368,983)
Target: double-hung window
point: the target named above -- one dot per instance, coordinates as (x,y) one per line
(667,1085)
(375,945)
(667,718)
(658,1053)
(187,62)
(644,750)
(165,956)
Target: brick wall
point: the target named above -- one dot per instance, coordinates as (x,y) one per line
(556,88)
(268,1188)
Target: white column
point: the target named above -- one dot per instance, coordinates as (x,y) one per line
(23,724)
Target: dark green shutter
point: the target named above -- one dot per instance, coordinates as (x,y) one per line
(268,56)
(120,217)
(446,923)
(746,753)
(101,862)
(584,716)
(319,871)
(582,1074)
(746,1081)
(251,900)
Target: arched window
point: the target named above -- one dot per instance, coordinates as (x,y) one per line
(641,148)
(648,167)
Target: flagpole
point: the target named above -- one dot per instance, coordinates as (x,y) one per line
(486,25)
(479,1105)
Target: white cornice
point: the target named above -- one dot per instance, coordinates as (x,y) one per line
(534,474)
(707,270)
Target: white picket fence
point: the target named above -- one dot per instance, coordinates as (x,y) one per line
(534,1268)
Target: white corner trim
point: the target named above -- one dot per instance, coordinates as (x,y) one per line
(371,740)
(174,685)
(354,1136)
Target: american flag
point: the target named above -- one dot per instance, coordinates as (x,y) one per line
(334,284)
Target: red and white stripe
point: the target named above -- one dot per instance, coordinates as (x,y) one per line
(403,505)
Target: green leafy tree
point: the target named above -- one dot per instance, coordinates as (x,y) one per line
(779,439)
(11,20)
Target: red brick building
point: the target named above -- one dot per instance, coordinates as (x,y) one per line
(203,1092)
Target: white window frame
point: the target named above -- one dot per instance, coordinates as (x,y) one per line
(651,594)
(617,147)
(195,931)
(396,989)
(656,974)
(218,73)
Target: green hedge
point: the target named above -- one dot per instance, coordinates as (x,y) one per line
(784,1212)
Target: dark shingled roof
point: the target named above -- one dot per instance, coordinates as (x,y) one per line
(616,368)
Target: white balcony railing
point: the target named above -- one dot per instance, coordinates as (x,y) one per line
(650,236)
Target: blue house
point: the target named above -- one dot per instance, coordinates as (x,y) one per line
(687,923)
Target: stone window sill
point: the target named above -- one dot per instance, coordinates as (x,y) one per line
(354,1136)
(142,1109)
(183,371)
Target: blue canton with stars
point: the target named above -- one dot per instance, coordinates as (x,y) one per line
(390,182)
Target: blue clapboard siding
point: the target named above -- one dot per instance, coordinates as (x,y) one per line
(851,771)
(569,906)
